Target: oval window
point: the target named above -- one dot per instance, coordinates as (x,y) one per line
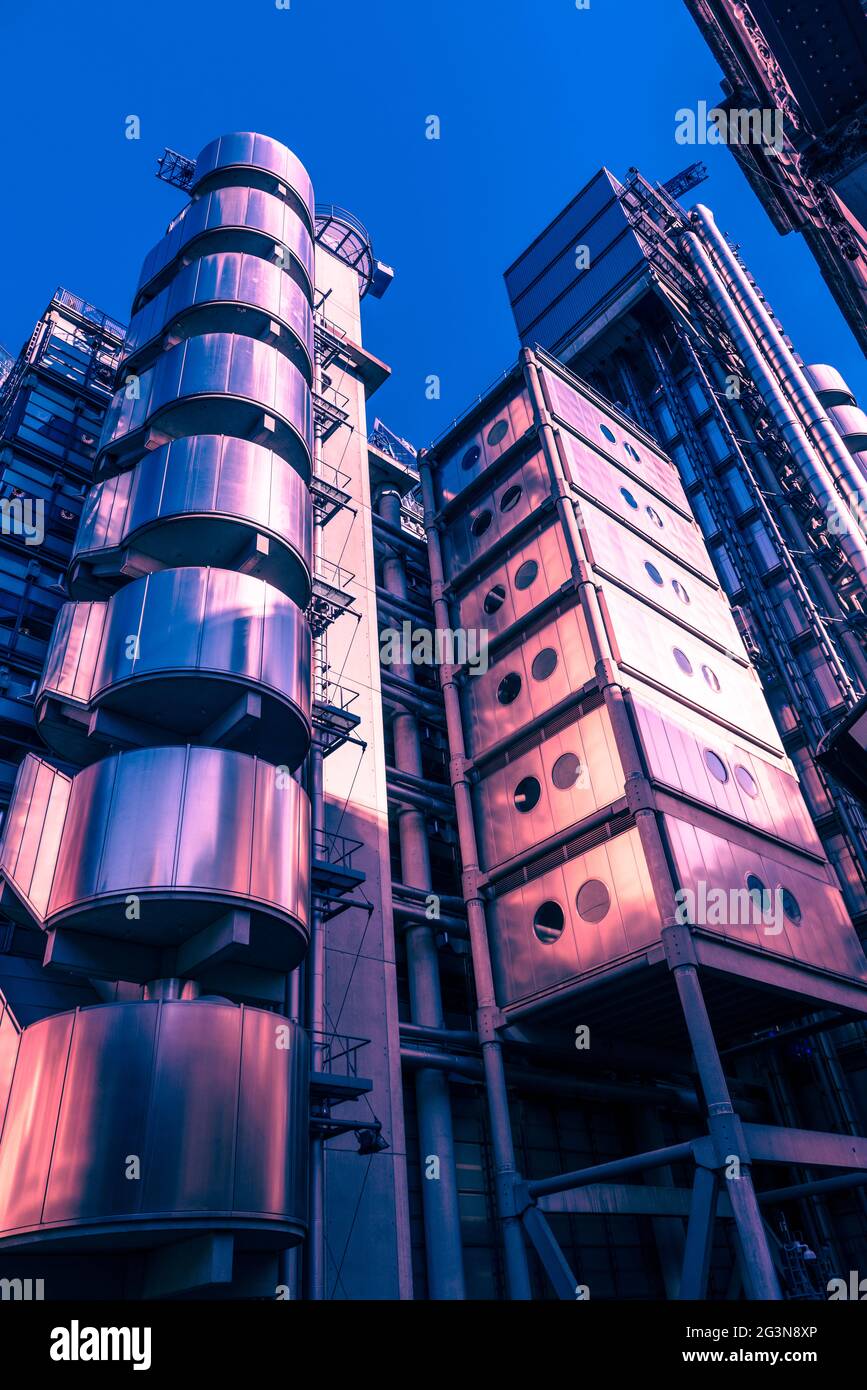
(791,907)
(593,900)
(680,590)
(566,771)
(653,572)
(628,498)
(746,781)
(527,794)
(548,923)
(715,765)
(544,664)
(509,688)
(510,498)
(711,677)
(481,523)
(497,433)
(609,434)
(525,574)
(683,661)
(494,599)
(655,517)
(760,894)
(471,457)
(632,452)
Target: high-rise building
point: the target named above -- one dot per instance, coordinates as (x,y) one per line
(411,865)
(805,65)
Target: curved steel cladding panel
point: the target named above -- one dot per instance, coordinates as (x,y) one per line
(522,580)
(517,495)
(231,219)
(636,507)
(189,831)
(829,385)
(247,158)
(551,786)
(175,651)
(531,678)
(697,760)
(219,383)
(850,422)
(225,293)
(208,499)
(634,564)
(508,422)
(211,1097)
(650,645)
(594,911)
(625,447)
(795,912)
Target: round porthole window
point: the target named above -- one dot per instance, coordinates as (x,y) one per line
(759,892)
(655,517)
(544,664)
(746,781)
(471,457)
(566,771)
(510,498)
(525,574)
(497,433)
(680,590)
(548,923)
(593,900)
(494,599)
(711,677)
(653,572)
(482,522)
(509,688)
(715,765)
(683,661)
(791,907)
(628,498)
(527,794)
(609,434)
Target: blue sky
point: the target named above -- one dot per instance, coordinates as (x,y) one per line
(533,96)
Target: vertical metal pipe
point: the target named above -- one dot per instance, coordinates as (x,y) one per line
(439,1184)
(496,1093)
(840,519)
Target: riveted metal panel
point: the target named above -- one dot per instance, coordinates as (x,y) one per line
(488,718)
(507,823)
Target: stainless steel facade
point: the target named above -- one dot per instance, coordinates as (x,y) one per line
(178,859)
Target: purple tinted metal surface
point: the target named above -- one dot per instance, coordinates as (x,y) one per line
(244,152)
(230,219)
(203,499)
(227,284)
(221,829)
(220,380)
(138,653)
(507,422)
(210,1071)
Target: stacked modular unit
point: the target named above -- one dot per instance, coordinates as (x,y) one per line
(647,862)
(164,843)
